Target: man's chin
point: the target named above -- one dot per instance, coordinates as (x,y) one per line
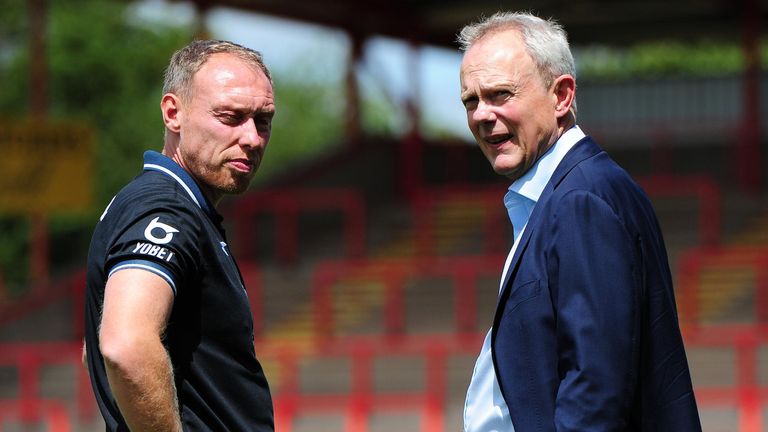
(236,187)
(506,170)
(509,166)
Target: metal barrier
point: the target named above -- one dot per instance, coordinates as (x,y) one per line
(747,395)
(52,412)
(394,272)
(29,359)
(362,401)
(71,286)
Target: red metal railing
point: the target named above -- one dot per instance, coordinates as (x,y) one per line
(286,205)
(748,395)
(357,406)
(254,288)
(394,272)
(362,400)
(52,412)
(69,287)
(29,359)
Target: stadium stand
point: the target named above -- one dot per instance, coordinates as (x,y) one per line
(340,273)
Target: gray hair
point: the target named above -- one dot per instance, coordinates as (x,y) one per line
(187,61)
(545,41)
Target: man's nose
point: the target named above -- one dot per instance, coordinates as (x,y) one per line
(484,112)
(249,136)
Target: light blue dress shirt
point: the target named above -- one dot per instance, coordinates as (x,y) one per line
(485,409)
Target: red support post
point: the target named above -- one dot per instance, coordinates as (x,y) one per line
(436,389)
(750,418)
(77,288)
(57,418)
(86,404)
(422,210)
(245,237)
(28,365)
(286,215)
(749,155)
(38,104)
(323,303)
(287,395)
(710,209)
(465,303)
(394,307)
(352,118)
(410,150)
(360,405)
(688,278)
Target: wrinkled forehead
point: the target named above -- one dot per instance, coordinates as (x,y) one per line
(502,54)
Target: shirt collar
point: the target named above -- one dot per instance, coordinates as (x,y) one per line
(154,161)
(532,183)
(526,191)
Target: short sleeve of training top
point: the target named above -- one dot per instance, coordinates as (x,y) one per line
(156,232)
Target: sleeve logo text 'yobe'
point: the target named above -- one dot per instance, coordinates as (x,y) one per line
(156,225)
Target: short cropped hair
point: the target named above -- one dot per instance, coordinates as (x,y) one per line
(187,61)
(545,41)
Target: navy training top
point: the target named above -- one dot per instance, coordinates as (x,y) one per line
(161,222)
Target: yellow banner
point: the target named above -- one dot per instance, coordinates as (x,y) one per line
(45,166)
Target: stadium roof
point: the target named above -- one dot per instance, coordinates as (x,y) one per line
(614,22)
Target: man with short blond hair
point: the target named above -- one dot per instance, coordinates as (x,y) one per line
(169,330)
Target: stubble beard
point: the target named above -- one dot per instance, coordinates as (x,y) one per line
(220,178)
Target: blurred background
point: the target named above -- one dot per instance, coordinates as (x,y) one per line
(373,238)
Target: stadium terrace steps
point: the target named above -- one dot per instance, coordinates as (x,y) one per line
(358,298)
(358,302)
(726,290)
(722,294)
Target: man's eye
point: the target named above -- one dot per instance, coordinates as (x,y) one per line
(470,104)
(231,118)
(263,123)
(501,94)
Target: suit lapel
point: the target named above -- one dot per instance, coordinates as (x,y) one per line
(583,149)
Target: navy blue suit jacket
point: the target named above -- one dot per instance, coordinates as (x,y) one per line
(586,335)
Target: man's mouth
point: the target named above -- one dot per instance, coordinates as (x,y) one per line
(243,165)
(498,139)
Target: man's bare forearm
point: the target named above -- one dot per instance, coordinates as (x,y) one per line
(141,379)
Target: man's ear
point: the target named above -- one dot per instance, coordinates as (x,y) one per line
(170,106)
(564,90)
